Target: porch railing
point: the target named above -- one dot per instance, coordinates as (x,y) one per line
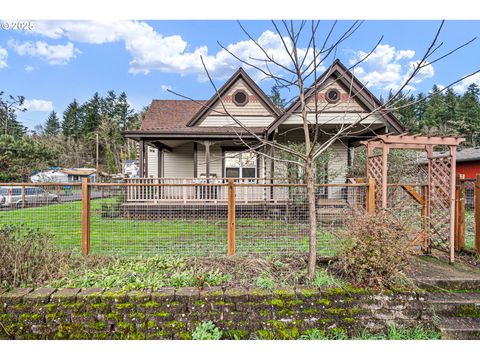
(206,190)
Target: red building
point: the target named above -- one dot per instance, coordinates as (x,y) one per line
(468,162)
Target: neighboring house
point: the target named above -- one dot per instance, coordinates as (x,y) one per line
(64,175)
(468,161)
(192,139)
(130,168)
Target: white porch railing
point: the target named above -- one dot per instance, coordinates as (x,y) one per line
(191,190)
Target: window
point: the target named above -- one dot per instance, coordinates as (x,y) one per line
(332,96)
(240,98)
(240,164)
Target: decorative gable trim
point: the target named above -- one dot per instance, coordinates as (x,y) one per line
(240,74)
(346,79)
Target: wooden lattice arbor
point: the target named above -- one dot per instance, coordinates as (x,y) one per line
(439,199)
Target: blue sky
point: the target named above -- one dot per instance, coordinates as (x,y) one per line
(62,60)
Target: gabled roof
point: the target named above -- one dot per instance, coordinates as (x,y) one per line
(169,114)
(240,74)
(345,77)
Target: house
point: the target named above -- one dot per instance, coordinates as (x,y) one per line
(185,139)
(64,175)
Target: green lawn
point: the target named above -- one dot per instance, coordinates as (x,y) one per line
(469,230)
(200,237)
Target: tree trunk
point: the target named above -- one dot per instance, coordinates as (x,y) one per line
(312,256)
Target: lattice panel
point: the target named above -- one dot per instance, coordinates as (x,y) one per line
(374,171)
(440,195)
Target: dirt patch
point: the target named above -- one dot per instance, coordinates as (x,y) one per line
(436,266)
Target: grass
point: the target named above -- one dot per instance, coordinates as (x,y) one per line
(469,229)
(392,333)
(200,237)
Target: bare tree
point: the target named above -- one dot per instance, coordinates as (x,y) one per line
(302,67)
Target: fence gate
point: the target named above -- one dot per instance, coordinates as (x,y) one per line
(440,194)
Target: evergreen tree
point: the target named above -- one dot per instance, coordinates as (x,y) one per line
(92,109)
(276,98)
(52,125)
(72,120)
(124,112)
(468,116)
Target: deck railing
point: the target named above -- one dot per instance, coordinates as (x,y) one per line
(206,190)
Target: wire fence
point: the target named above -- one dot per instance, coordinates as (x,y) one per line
(469,194)
(406,202)
(52,208)
(183,218)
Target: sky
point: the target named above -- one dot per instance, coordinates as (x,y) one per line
(57,61)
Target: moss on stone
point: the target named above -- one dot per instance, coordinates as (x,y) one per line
(470,311)
(323,301)
(174,325)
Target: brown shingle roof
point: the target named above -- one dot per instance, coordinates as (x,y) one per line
(169,114)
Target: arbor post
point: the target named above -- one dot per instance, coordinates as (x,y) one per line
(371,196)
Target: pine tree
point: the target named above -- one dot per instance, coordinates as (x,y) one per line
(276,98)
(52,125)
(92,109)
(72,120)
(468,115)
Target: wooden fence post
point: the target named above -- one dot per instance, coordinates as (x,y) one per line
(231,217)
(460,213)
(476,212)
(85,216)
(371,196)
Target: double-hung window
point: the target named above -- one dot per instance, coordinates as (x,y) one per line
(240,164)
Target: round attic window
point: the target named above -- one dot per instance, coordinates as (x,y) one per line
(240,98)
(332,96)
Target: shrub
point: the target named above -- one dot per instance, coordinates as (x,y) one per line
(27,257)
(375,250)
(207,331)
(265,281)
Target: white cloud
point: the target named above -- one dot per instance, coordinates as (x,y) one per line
(166,87)
(53,54)
(38,105)
(388,68)
(29,68)
(151,50)
(462,86)
(3,57)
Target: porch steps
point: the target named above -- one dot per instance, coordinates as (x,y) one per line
(458,313)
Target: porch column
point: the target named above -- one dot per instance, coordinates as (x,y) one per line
(207,159)
(141,157)
(145,159)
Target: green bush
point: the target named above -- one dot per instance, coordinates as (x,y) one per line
(207,331)
(265,281)
(374,251)
(28,258)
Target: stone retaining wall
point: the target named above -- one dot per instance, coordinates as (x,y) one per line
(47,313)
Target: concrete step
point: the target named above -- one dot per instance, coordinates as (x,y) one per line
(452,284)
(461,304)
(459,328)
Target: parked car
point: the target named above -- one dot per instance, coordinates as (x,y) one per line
(11,196)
